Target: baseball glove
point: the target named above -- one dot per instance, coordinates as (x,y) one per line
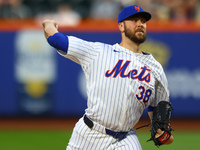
(161,120)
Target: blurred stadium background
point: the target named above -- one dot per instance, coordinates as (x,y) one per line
(42,94)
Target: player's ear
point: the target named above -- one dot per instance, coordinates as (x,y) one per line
(121,26)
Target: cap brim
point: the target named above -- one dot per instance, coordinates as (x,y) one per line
(144,14)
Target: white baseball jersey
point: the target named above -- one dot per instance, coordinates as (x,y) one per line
(120,83)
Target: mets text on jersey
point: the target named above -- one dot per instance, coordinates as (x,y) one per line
(119,69)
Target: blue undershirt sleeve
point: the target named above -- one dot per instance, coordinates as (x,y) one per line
(59,41)
(150,108)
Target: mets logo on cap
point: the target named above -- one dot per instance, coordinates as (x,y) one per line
(133,10)
(137,8)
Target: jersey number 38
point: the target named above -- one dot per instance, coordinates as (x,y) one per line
(144,94)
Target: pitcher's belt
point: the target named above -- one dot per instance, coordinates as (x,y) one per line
(100,128)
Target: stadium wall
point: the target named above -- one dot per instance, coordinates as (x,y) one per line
(36,81)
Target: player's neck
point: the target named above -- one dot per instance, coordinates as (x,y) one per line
(131,46)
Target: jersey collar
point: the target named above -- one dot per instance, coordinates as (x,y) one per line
(122,49)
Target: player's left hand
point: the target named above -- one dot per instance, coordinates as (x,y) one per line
(159,132)
(160,124)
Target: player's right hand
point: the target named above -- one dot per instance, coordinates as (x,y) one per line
(50,27)
(47,22)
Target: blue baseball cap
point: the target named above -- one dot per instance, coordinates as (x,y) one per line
(133,10)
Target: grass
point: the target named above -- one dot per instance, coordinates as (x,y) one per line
(182,141)
(34,140)
(57,140)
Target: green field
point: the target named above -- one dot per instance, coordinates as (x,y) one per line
(57,140)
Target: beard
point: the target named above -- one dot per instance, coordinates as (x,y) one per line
(133,37)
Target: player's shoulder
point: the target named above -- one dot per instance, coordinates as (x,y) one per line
(149,59)
(74,39)
(158,64)
(158,68)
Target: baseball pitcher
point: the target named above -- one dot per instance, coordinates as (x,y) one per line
(122,81)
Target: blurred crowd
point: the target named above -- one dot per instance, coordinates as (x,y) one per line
(70,12)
